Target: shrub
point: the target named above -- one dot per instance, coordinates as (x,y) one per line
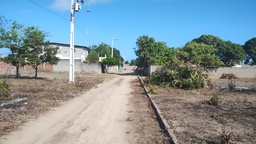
(214,101)
(92,57)
(228,76)
(184,77)
(4,88)
(153,90)
(110,61)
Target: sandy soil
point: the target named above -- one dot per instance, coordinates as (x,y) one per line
(144,127)
(195,121)
(113,112)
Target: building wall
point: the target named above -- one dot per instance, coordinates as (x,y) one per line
(64,52)
(63,66)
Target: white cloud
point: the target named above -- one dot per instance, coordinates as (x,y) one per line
(61,5)
(64,5)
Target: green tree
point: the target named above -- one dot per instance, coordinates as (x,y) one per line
(11,36)
(110,61)
(103,49)
(133,62)
(209,40)
(92,57)
(126,62)
(229,53)
(150,52)
(3,23)
(106,50)
(200,54)
(39,50)
(250,50)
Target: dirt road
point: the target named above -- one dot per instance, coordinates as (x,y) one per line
(98,116)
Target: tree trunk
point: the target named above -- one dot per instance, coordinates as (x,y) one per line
(35,72)
(17,70)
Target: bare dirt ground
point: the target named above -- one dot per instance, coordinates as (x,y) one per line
(115,111)
(195,121)
(145,128)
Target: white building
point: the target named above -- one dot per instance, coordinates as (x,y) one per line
(80,53)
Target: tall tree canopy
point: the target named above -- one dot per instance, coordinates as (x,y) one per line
(11,36)
(250,50)
(229,53)
(39,50)
(150,52)
(200,54)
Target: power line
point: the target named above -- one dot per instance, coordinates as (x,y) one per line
(48,10)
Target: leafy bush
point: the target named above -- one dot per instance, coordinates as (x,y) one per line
(4,88)
(153,90)
(92,57)
(110,61)
(214,101)
(184,77)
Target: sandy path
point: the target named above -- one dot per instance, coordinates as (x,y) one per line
(98,116)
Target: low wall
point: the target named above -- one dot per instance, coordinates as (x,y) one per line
(63,66)
(240,72)
(7,68)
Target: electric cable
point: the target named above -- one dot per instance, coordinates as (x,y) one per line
(49,10)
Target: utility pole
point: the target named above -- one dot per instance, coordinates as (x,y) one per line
(113,39)
(75,7)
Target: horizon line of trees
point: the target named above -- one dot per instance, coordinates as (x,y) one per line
(206,51)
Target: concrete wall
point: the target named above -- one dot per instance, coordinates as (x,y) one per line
(64,52)
(240,72)
(63,66)
(128,67)
(150,69)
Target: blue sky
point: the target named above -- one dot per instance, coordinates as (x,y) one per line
(173,21)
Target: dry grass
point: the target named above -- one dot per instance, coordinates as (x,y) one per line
(195,121)
(49,90)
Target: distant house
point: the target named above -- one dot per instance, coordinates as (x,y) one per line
(81,52)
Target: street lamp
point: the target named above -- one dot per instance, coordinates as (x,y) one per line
(113,39)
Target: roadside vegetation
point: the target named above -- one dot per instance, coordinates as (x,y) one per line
(187,67)
(200,109)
